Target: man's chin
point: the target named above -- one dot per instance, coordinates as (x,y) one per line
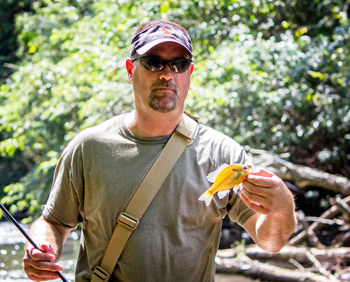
(164,109)
(164,105)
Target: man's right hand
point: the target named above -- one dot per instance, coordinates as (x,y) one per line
(39,265)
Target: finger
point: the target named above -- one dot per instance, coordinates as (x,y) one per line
(42,265)
(36,275)
(42,276)
(263,181)
(254,206)
(255,189)
(254,198)
(36,254)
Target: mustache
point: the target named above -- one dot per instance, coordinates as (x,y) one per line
(167,84)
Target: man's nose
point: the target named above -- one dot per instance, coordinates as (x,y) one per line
(166,73)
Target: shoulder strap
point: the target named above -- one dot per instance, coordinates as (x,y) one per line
(128,220)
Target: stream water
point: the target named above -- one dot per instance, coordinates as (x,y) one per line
(11,254)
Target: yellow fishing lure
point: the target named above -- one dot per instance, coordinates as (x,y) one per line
(224,178)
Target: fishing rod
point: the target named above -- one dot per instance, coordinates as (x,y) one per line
(9,217)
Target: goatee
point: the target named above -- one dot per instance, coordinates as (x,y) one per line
(163,102)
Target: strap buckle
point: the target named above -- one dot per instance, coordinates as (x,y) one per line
(128,221)
(101,273)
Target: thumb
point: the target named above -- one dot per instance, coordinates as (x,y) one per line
(45,247)
(262,172)
(36,254)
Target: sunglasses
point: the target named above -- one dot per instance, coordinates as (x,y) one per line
(155,64)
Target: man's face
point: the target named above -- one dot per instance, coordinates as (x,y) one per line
(162,91)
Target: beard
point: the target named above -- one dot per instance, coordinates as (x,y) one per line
(163,101)
(163,104)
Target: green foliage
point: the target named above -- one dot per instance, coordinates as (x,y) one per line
(271,74)
(280,96)
(8,38)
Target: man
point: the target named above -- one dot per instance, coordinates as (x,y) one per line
(178,236)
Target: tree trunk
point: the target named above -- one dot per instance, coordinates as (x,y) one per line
(302,176)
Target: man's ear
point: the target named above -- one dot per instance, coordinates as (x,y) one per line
(129,67)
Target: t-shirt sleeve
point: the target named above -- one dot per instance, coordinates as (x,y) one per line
(64,204)
(238,211)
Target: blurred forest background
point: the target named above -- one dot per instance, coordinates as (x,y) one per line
(273,75)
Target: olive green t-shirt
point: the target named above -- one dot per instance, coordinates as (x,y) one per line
(178,236)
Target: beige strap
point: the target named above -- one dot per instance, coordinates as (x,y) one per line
(128,220)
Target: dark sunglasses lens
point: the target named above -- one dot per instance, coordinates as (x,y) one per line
(155,64)
(179,65)
(152,64)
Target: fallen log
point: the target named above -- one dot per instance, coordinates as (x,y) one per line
(301,175)
(325,221)
(328,214)
(300,253)
(264,271)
